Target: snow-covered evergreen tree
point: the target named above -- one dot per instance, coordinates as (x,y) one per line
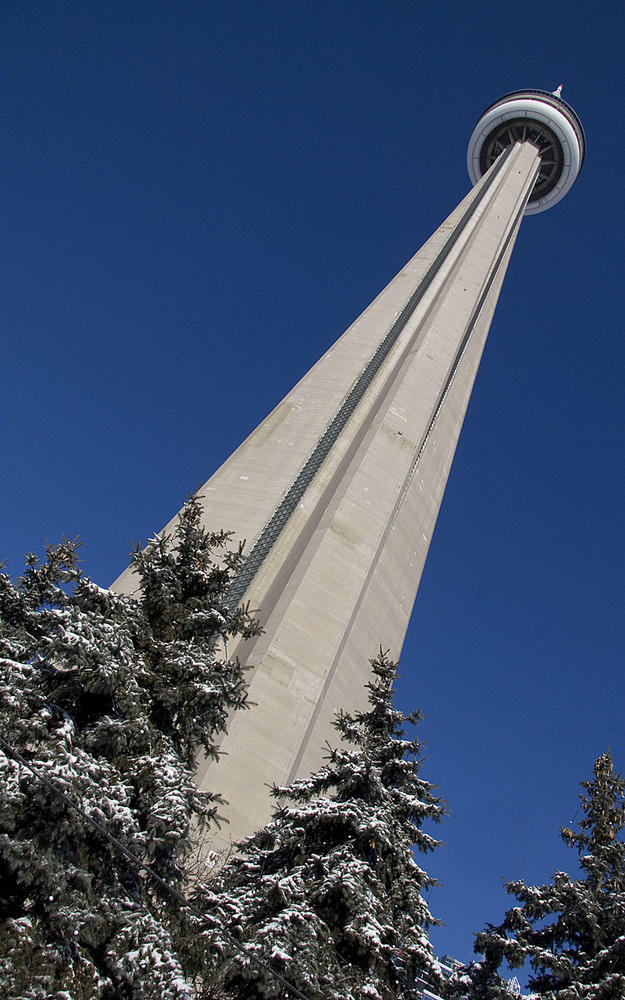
(329,892)
(111,698)
(479,981)
(572,931)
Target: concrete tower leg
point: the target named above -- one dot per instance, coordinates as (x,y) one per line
(342,576)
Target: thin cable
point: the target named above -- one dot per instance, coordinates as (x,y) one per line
(150,871)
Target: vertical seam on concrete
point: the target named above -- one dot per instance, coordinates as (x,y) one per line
(274,525)
(459,356)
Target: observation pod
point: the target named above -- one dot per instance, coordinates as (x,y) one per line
(545,120)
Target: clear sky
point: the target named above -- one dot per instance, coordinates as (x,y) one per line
(196,199)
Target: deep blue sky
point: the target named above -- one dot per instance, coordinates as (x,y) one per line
(195,200)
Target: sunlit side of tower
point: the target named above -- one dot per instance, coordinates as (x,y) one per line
(337,492)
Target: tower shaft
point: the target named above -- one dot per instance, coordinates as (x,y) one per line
(337,492)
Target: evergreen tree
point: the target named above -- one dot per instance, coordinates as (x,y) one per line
(329,892)
(479,981)
(111,698)
(572,931)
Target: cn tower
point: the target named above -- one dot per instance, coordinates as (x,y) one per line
(337,492)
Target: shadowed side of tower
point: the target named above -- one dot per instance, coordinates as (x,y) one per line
(337,492)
